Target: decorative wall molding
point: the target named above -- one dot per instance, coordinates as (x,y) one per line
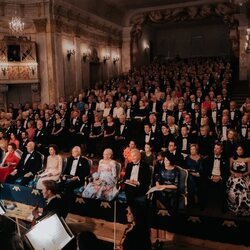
(170,15)
(40,25)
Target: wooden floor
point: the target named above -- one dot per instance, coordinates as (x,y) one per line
(104,230)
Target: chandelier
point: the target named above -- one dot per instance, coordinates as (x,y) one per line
(16,24)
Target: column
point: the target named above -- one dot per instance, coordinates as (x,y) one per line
(126,53)
(3,96)
(243,55)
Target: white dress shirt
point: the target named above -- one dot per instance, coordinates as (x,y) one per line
(135,172)
(74,166)
(216,166)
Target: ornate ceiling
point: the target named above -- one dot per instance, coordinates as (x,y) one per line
(119,11)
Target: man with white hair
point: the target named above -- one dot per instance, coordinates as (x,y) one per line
(77,168)
(137,177)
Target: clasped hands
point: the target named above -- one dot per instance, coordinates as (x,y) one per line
(216,178)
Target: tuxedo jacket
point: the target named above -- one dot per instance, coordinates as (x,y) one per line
(48,126)
(126,131)
(33,164)
(208,167)
(239,130)
(237,117)
(158,107)
(18,132)
(75,126)
(56,205)
(82,169)
(179,144)
(23,144)
(144,177)
(40,138)
(84,130)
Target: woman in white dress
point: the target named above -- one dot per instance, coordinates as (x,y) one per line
(53,167)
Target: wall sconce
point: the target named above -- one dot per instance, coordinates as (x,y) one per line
(70,52)
(85,56)
(4,70)
(106,58)
(32,68)
(116,59)
(247,44)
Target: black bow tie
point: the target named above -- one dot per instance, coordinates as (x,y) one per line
(217,158)
(75,159)
(244,126)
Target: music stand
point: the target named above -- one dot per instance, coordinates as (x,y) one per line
(51,233)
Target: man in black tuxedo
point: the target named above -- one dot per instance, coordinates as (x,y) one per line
(155,105)
(122,136)
(137,177)
(82,134)
(147,137)
(214,177)
(24,141)
(29,165)
(77,168)
(54,203)
(40,137)
(74,126)
(205,142)
(235,114)
(173,153)
(183,141)
(18,129)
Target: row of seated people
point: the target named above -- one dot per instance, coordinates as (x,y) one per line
(194,94)
(116,135)
(214,172)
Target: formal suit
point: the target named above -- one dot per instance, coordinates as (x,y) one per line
(215,192)
(82,134)
(55,205)
(180,144)
(82,170)
(23,144)
(30,162)
(144,178)
(18,131)
(40,139)
(122,137)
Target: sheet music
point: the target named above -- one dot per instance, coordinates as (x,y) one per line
(155,188)
(49,234)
